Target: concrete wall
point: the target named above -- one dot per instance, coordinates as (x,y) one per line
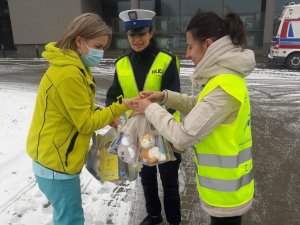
(41,21)
(268,26)
(37,22)
(94,6)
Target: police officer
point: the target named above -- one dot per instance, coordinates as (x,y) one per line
(148,68)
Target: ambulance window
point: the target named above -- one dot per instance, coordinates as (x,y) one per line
(290,30)
(293,29)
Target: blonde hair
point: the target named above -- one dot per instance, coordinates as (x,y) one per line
(87,26)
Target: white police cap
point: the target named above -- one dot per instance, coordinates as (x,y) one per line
(135,18)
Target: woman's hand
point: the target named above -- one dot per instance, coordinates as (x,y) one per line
(115,123)
(129,102)
(137,104)
(140,105)
(153,96)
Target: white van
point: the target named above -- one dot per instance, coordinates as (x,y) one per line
(285,46)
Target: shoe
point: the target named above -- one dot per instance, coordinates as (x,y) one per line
(152,220)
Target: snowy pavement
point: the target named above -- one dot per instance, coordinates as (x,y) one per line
(275,98)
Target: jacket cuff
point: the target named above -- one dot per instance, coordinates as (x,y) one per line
(124,107)
(149,111)
(165,98)
(118,109)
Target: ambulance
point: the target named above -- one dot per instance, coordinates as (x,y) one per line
(285,47)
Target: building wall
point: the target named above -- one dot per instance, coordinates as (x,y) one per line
(94,6)
(36,22)
(41,21)
(173,16)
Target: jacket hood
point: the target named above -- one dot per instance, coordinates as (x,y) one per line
(223,57)
(59,57)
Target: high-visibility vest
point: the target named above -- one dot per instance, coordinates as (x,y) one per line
(224,162)
(153,80)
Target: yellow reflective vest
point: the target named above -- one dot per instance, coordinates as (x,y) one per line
(154,77)
(224,162)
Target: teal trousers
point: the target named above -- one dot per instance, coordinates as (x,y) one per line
(65,198)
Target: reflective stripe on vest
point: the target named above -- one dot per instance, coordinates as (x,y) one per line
(223,159)
(226,185)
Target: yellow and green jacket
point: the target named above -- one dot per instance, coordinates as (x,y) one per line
(65,115)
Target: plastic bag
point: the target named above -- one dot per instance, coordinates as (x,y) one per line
(105,166)
(153,147)
(92,160)
(100,163)
(138,142)
(125,144)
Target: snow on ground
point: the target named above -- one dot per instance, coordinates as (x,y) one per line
(21,201)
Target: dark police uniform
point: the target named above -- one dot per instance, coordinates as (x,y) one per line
(141,63)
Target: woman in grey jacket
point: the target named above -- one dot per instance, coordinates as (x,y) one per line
(217,121)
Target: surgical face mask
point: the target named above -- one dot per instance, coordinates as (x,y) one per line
(92,58)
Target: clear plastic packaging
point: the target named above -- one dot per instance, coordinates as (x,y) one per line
(153,147)
(137,142)
(105,166)
(125,144)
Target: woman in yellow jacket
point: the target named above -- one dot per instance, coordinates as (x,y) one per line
(217,121)
(65,115)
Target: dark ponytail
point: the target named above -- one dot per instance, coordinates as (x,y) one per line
(235,28)
(209,25)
